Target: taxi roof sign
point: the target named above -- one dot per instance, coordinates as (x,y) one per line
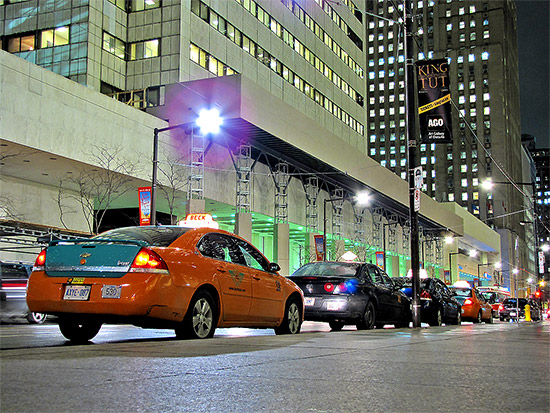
(198,221)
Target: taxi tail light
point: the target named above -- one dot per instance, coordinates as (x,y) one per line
(40,261)
(148,260)
(426,295)
(500,307)
(468,301)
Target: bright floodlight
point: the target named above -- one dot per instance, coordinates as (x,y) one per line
(498,265)
(449,239)
(515,271)
(529,280)
(488,185)
(473,253)
(209,121)
(545,247)
(363,198)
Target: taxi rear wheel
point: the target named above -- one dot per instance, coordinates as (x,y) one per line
(200,321)
(292,322)
(36,318)
(78,331)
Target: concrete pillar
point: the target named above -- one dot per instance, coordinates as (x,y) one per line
(394,266)
(195,206)
(281,236)
(339,248)
(243,225)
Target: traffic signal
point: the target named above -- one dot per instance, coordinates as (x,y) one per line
(537,294)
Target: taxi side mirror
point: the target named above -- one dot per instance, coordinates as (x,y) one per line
(274,267)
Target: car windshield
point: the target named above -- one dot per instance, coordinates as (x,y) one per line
(462,292)
(154,236)
(328,269)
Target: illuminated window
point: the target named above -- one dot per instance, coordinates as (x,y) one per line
(144,50)
(139,5)
(113,45)
(465,196)
(451,197)
(54,37)
(21,43)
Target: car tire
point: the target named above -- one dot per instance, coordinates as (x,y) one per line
(36,318)
(369,318)
(200,320)
(458,318)
(437,319)
(292,321)
(501,318)
(478,319)
(78,331)
(335,325)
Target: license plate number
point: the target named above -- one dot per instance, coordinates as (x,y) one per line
(512,313)
(77,292)
(309,300)
(333,306)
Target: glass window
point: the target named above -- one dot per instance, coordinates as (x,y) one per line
(54,37)
(139,5)
(21,44)
(113,45)
(144,50)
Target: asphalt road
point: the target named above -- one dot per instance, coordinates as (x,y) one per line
(498,367)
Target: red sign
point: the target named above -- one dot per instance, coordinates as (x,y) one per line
(144,205)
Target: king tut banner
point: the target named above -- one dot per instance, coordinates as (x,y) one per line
(434,101)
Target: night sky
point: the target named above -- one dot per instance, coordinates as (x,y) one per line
(534,68)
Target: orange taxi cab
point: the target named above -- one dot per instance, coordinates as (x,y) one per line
(187,278)
(474,306)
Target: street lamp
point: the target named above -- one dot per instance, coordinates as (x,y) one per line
(208,121)
(362,198)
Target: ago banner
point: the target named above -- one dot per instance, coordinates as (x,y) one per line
(319,247)
(434,101)
(144,205)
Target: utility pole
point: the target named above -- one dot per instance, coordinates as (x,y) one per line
(412,142)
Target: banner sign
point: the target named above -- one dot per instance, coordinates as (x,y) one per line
(447,277)
(380,259)
(434,101)
(319,247)
(144,205)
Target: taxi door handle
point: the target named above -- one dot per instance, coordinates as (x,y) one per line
(256,277)
(221,269)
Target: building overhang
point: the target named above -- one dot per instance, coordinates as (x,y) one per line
(253,115)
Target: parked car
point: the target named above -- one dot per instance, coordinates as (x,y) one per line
(511,306)
(438,303)
(189,279)
(342,293)
(13,291)
(474,306)
(494,296)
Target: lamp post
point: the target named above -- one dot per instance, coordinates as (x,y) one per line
(362,198)
(451,267)
(208,121)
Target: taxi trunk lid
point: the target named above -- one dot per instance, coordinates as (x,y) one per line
(90,258)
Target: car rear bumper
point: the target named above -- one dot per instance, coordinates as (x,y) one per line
(335,308)
(141,294)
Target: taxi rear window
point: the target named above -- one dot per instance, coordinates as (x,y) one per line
(154,236)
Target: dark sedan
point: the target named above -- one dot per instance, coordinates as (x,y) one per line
(509,309)
(437,302)
(13,290)
(355,293)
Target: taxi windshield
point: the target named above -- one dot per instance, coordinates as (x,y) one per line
(462,292)
(154,236)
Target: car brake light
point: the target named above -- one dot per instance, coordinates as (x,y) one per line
(40,261)
(329,287)
(148,261)
(468,301)
(425,294)
(500,307)
(342,288)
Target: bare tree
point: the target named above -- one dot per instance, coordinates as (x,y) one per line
(97,188)
(174,178)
